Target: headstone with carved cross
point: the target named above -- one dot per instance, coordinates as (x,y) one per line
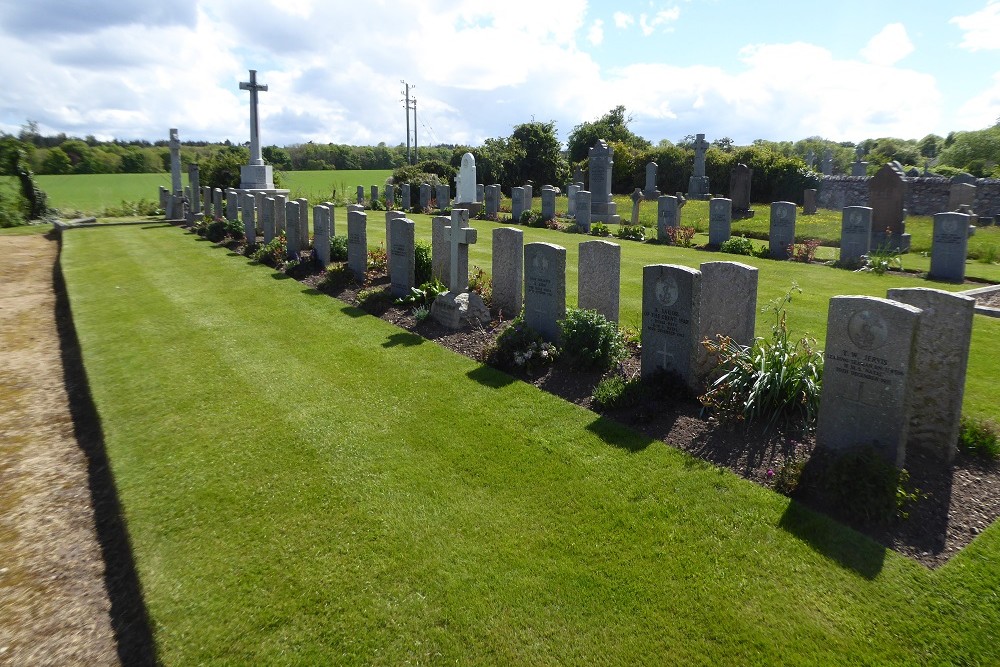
(256,175)
(459,306)
(671,321)
(544,288)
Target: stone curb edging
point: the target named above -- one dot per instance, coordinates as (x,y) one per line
(984,310)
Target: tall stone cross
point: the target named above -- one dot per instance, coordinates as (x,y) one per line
(459,238)
(256,158)
(700,146)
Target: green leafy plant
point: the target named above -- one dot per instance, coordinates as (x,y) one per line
(600,229)
(421,313)
(481,283)
(374,299)
(553,224)
(805,251)
(131,208)
(737,245)
(337,277)
(378,260)
(590,339)
(338,249)
(423,267)
(786,478)
(273,253)
(423,295)
(376,205)
(978,437)
(772,380)
(520,347)
(615,392)
(531,218)
(631,232)
(881,260)
(681,236)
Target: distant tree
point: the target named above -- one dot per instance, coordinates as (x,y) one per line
(223,169)
(543,162)
(930,146)
(977,152)
(57,162)
(278,157)
(612,126)
(725,144)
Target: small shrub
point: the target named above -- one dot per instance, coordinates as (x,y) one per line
(631,232)
(737,245)
(423,268)
(338,276)
(421,313)
(681,236)
(378,260)
(532,219)
(481,283)
(615,392)
(600,229)
(785,480)
(376,205)
(127,209)
(273,253)
(978,437)
(774,379)
(881,260)
(520,347)
(553,224)
(374,299)
(338,249)
(423,295)
(220,228)
(862,485)
(805,251)
(590,339)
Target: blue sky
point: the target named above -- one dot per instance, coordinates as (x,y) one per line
(845,70)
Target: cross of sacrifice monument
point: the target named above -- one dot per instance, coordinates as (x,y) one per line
(256,175)
(458,236)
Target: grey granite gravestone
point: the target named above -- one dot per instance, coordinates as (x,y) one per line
(636,197)
(281,215)
(459,306)
(809,201)
(406,201)
(163,198)
(443,196)
(671,316)
(668,214)
(331,218)
(218,201)
(599,278)
(196,193)
(544,288)
(728,307)
(389,217)
(859,168)
(528,194)
(232,205)
(602,207)
(508,271)
(548,202)
(583,209)
(961,194)
(206,198)
(357,243)
(267,220)
(571,191)
(440,250)
(720,220)
(292,233)
(698,186)
(303,223)
(782,231)
(826,164)
(425,197)
(516,204)
(374,197)
(492,201)
(867,373)
(258,201)
(390,196)
(401,257)
(175,162)
(739,190)
(480,193)
(886,194)
(650,191)
(949,247)
(855,234)
(249,211)
(942,357)
(321,234)
(360,198)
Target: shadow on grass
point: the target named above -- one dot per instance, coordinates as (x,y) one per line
(129,617)
(403,339)
(618,435)
(159,226)
(490,377)
(354,311)
(275,275)
(847,548)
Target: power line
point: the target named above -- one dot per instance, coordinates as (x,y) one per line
(409,103)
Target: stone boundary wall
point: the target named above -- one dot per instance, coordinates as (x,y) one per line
(925,195)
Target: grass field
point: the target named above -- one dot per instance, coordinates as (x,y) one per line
(305,484)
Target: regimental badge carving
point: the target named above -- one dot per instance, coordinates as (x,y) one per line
(867,330)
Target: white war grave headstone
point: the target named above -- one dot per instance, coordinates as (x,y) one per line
(459,306)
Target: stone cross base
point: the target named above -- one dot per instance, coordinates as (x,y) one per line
(698,188)
(651,194)
(899,242)
(456,310)
(606,219)
(256,177)
(473,207)
(743,214)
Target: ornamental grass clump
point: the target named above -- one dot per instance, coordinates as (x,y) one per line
(774,380)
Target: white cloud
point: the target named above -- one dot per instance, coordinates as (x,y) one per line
(889,46)
(982,28)
(982,110)
(660,18)
(596,33)
(623,20)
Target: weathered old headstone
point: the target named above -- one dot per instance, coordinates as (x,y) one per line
(406,201)
(578,175)
(544,288)
(528,195)
(332,217)
(636,197)
(650,191)
(855,234)
(440,250)
(303,223)
(492,202)
(401,257)
(571,191)
(548,202)
(459,306)
(728,307)
(357,243)
(668,214)
(389,217)
(782,231)
(671,316)
(267,219)
(374,196)
(826,164)
(865,399)
(858,167)
(949,247)
(360,198)
(516,204)
(425,197)
(443,195)
(206,198)
(390,196)
(321,234)
(599,278)
(163,200)
(739,190)
(256,175)
(508,271)
(465,189)
(249,211)
(232,205)
(720,220)
(809,201)
(941,357)
(602,207)
(961,194)
(195,185)
(886,194)
(218,200)
(175,162)
(280,214)
(583,209)
(292,233)
(698,186)
(480,193)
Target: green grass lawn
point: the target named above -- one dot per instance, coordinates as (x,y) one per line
(303,483)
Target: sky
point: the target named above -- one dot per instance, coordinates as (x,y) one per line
(845,70)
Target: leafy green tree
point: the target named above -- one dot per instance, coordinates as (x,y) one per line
(543,162)
(222,170)
(612,127)
(930,146)
(278,157)
(977,152)
(56,162)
